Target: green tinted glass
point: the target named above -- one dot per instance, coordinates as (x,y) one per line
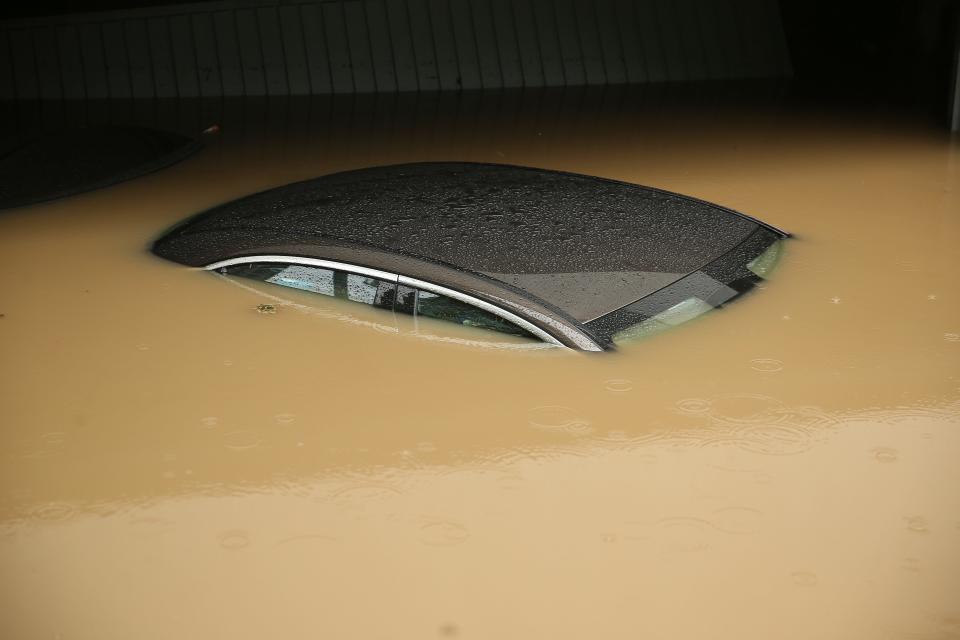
(432,305)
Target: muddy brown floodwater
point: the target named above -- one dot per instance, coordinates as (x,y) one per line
(174,464)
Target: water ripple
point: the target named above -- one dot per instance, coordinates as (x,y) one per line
(558,418)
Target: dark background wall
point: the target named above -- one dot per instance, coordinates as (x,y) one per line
(243,48)
(871,54)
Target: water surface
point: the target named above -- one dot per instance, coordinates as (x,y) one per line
(174,464)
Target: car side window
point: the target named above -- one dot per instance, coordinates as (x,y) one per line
(328,282)
(374,292)
(427,304)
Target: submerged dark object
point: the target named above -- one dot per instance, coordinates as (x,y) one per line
(575,259)
(71,161)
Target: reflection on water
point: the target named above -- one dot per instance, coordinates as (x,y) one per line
(782,467)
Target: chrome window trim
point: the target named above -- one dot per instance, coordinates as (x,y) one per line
(582,341)
(405,280)
(480,304)
(311,262)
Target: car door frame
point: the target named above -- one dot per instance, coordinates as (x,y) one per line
(397,280)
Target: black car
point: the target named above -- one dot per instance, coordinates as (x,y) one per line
(569,259)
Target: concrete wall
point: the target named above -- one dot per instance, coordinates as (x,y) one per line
(279,48)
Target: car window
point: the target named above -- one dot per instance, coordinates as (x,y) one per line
(439,307)
(328,282)
(375,292)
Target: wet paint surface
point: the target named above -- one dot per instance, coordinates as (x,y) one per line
(176,464)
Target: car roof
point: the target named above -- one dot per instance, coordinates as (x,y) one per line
(584,245)
(66,162)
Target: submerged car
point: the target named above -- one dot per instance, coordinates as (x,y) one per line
(67,162)
(572,260)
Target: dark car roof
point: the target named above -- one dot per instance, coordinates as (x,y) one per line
(585,245)
(62,163)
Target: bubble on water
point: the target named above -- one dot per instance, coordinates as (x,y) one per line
(210,422)
(53,511)
(951,337)
(285,418)
(268,309)
(143,346)
(618,385)
(885,454)
(693,406)
(804,578)
(609,537)
(766,365)
(443,534)
(234,539)
(916,524)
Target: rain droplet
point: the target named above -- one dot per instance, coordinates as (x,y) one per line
(240,440)
(558,418)
(53,511)
(619,385)
(693,405)
(234,540)
(917,524)
(883,454)
(766,365)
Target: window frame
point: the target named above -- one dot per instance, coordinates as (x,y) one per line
(397,280)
